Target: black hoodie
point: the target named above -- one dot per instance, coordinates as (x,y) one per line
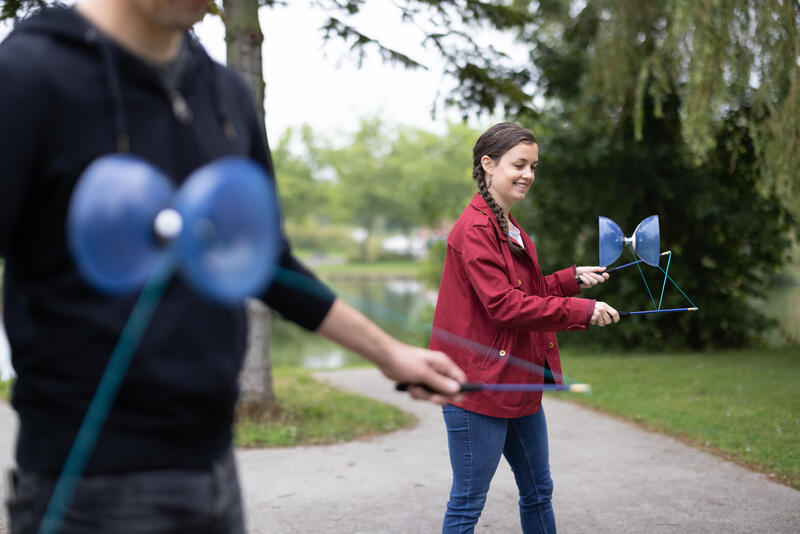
(67,96)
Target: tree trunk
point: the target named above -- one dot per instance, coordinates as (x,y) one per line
(255,380)
(243,37)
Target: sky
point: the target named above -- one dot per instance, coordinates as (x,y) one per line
(308,81)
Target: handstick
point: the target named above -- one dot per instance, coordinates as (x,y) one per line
(468,387)
(618,267)
(644,312)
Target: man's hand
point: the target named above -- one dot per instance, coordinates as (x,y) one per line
(413,366)
(416,366)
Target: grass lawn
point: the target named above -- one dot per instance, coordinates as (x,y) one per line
(313,413)
(743,404)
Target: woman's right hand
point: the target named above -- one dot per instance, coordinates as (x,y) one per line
(603,314)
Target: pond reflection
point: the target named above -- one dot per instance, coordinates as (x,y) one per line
(400,306)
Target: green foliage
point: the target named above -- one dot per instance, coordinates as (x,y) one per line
(487,79)
(314,413)
(615,60)
(614,143)
(742,404)
(381,179)
(16,9)
(5,390)
(430,271)
(727,239)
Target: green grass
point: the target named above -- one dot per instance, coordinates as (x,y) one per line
(5,390)
(313,413)
(380,268)
(743,405)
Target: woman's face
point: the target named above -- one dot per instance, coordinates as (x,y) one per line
(510,178)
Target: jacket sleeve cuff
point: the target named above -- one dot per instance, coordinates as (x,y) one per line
(581,315)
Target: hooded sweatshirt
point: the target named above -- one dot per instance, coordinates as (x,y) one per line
(68,95)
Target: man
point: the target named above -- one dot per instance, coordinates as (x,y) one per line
(125,76)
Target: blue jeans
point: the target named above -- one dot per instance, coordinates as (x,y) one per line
(170,501)
(476,442)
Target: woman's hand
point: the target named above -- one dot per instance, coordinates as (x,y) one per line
(591,276)
(603,314)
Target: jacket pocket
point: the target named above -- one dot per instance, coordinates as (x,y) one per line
(497,351)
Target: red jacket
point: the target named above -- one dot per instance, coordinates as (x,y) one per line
(493,304)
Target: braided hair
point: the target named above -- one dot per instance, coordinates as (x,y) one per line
(495,142)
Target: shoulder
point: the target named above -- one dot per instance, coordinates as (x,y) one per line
(24,56)
(43,50)
(25,71)
(473,224)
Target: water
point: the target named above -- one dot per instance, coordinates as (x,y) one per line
(401,307)
(6,371)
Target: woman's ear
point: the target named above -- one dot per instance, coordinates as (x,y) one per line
(487,163)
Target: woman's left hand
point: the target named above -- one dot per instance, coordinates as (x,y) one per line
(591,276)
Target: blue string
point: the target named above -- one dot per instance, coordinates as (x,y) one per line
(644,280)
(678,287)
(107,389)
(664,285)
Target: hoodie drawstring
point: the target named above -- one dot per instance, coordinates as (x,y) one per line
(123,140)
(179,105)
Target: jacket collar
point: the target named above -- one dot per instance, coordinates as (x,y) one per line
(479,204)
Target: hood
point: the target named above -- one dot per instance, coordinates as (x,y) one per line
(67,26)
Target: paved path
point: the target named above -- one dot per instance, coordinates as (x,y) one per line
(610,477)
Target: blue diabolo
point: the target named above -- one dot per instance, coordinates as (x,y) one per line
(645,240)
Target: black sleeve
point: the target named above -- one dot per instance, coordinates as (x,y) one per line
(21,108)
(295,293)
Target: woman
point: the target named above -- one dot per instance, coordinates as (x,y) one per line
(494,294)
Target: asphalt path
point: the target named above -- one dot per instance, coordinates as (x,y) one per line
(610,476)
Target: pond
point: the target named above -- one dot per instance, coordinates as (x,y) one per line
(400,306)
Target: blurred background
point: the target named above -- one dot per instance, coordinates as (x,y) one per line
(688,110)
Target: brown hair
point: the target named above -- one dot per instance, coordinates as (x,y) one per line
(495,142)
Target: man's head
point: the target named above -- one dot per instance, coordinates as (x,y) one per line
(170,14)
(152,29)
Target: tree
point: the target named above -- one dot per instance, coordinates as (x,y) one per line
(620,139)
(243,37)
(383,178)
(720,59)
